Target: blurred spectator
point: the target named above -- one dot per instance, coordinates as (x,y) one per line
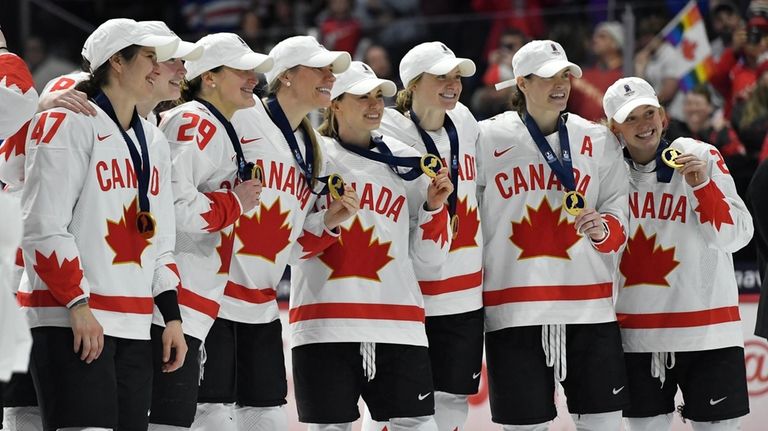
(397,25)
(252,32)
(725,20)
(377,57)
(657,62)
(750,117)
(281,21)
(700,123)
(486,101)
(339,30)
(43,64)
(586,97)
(211,16)
(736,73)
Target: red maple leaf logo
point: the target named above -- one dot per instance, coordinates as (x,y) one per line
(225,251)
(15,72)
(468,225)
(689,49)
(645,262)
(436,229)
(58,276)
(712,207)
(264,234)
(356,254)
(543,233)
(14,145)
(123,237)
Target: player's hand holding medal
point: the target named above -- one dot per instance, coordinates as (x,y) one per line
(344,203)
(693,169)
(440,187)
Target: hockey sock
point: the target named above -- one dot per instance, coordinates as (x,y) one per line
(419,423)
(22,419)
(653,423)
(609,421)
(724,425)
(214,417)
(450,411)
(261,418)
(330,427)
(371,425)
(535,427)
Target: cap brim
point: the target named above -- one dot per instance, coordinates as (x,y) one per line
(165,46)
(252,61)
(465,65)
(621,114)
(188,51)
(388,88)
(550,68)
(506,84)
(338,60)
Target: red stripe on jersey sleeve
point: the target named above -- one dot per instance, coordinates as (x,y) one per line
(224,211)
(577,292)
(452,284)
(62,279)
(312,245)
(122,304)
(344,310)
(685,319)
(254,296)
(198,303)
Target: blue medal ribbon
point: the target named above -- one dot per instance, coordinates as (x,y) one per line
(563,171)
(453,138)
(278,116)
(140,161)
(243,167)
(385,156)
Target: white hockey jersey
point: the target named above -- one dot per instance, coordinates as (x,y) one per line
(363,287)
(677,289)
(80,206)
(266,239)
(538,269)
(18,98)
(456,286)
(204,172)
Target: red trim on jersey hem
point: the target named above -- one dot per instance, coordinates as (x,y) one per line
(575,292)
(197,302)
(452,284)
(118,304)
(224,210)
(254,296)
(346,310)
(685,319)
(749,298)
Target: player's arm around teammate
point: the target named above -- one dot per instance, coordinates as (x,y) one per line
(677,302)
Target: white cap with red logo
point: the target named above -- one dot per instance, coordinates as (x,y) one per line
(542,58)
(625,95)
(230,50)
(434,58)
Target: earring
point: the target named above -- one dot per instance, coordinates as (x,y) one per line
(287,83)
(213,85)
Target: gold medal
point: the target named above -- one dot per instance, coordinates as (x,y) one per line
(257,173)
(336,186)
(431,165)
(669,155)
(145,223)
(455,225)
(574,202)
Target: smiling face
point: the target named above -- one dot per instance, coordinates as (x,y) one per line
(359,114)
(642,128)
(140,74)
(235,89)
(311,85)
(546,94)
(439,91)
(171,73)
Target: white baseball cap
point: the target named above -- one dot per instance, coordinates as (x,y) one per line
(625,95)
(434,58)
(305,51)
(360,79)
(114,35)
(542,58)
(227,49)
(186,50)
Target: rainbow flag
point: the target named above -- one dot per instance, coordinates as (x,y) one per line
(687,34)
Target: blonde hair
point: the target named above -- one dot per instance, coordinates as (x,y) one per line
(276,85)
(330,125)
(755,107)
(404,100)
